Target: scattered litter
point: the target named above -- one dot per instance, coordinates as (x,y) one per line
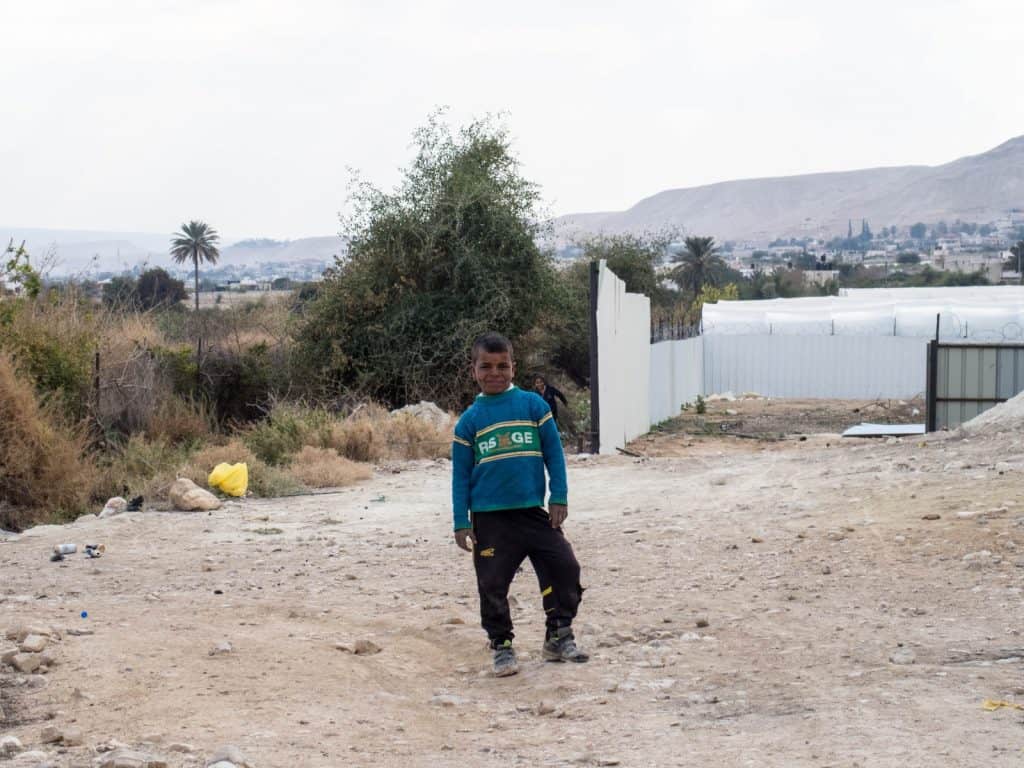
(379,499)
(114,506)
(221,649)
(62,549)
(95,550)
(727,397)
(233,479)
(991,705)
(135,505)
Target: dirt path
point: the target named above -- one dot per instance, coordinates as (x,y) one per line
(809,561)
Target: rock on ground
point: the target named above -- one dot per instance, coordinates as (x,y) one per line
(189,497)
(231,754)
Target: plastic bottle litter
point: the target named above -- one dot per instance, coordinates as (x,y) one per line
(60,550)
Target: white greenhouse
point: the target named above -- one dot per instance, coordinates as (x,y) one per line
(977,315)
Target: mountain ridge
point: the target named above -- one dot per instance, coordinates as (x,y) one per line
(973,188)
(77,251)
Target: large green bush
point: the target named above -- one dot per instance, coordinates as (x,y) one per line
(450,254)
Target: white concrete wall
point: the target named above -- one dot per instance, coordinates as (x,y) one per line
(815,366)
(624,359)
(676,377)
(640,384)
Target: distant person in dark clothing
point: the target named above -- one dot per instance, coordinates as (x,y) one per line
(549,393)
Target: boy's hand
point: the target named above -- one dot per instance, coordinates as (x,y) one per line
(465,539)
(557,513)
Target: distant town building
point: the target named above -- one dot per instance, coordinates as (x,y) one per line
(820,277)
(973,262)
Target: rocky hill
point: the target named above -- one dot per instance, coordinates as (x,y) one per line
(978,188)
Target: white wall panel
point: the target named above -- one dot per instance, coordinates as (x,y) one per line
(624,353)
(815,366)
(676,377)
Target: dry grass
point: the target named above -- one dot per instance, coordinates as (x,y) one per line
(43,470)
(356,439)
(131,330)
(131,386)
(324,468)
(375,434)
(409,437)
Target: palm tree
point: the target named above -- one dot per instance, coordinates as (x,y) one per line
(700,264)
(196,242)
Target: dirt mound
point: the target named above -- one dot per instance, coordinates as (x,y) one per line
(1005,417)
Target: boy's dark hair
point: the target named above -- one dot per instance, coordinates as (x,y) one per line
(491,342)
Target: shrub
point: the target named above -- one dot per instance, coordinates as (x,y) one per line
(141,467)
(52,340)
(241,384)
(155,288)
(43,472)
(285,430)
(180,421)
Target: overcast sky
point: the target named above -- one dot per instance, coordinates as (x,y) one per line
(139,114)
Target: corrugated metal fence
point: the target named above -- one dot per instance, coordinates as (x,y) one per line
(965,379)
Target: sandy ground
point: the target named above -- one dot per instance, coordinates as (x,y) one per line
(810,562)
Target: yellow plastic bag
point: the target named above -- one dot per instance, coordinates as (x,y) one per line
(233,479)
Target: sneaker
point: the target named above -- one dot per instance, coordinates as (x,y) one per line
(505,660)
(561,646)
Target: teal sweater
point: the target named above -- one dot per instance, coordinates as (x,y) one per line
(502,445)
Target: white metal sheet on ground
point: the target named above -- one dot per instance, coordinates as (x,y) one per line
(884,430)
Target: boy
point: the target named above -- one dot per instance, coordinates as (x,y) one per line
(550,394)
(502,444)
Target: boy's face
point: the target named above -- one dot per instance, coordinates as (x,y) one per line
(493,371)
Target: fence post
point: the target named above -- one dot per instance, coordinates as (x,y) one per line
(96,381)
(595,402)
(931,385)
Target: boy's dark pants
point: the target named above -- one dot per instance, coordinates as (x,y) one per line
(503,540)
